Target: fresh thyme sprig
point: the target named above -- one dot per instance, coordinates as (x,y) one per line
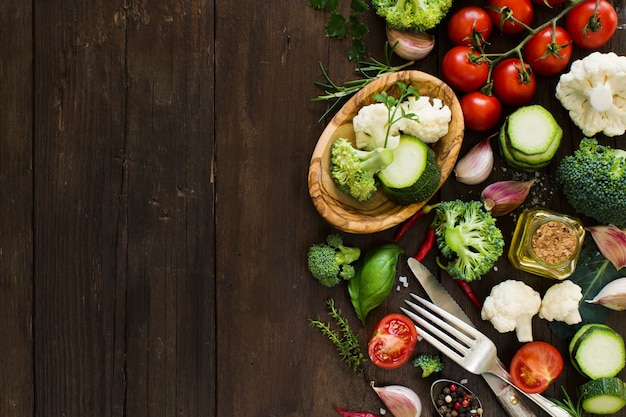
(345,340)
(341,27)
(368,70)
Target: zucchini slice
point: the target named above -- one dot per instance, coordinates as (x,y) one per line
(532,129)
(603,395)
(597,351)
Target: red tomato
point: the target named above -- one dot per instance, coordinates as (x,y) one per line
(548,3)
(546,57)
(480,111)
(535,366)
(470,25)
(462,73)
(591,28)
(499,10)
(392,341)
(511,84)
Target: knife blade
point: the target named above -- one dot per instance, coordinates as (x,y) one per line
(506,394)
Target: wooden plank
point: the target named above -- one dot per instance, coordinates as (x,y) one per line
(16,205)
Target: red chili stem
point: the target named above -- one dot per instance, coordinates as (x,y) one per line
(427,245)
(469,292)
(346,413)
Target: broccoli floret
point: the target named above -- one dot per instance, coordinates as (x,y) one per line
(428,363)
(330,262)
(417,15)
(468,236)
(594,181)
(354,170)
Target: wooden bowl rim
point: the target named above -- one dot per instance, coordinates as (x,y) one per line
(346,213)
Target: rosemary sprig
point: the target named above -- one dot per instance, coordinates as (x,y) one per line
(573,408)
(368,71)
(345,340)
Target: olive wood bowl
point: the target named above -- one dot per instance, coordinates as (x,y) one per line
(378,213)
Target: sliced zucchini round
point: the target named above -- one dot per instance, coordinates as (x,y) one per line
(603,396)
(597,351)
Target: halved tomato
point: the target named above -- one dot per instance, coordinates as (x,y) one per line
(535,366)
(392,341)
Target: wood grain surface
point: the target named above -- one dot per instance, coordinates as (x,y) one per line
(155,212)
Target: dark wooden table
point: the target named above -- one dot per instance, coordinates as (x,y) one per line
(155,215)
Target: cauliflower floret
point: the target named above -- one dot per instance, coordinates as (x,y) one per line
(594,93)
(370,128)
(432,119)
(510,306)
(560,303)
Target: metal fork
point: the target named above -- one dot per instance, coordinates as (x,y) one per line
(466,346)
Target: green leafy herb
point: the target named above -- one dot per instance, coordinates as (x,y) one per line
(593,272)
(345,340)
(392,102)
(341,27)
(573,408)
(368,70)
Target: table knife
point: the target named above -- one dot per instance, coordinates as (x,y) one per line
(506,394)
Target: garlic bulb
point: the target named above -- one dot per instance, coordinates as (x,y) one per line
(503,197)
(400,400)
(612,296)
(611,241)
(475,166)
(410,45)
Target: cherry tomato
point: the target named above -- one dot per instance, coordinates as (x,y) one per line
(460,72)
(392,341)
(499,10)
(546,57)
(480,111)
(591,28)
(511,84)
(470,25)
(535,366)
(548,3)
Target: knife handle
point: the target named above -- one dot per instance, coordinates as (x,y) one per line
(510,400)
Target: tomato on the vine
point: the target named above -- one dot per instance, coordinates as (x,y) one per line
(548,3)
(470,25)
(480,111)
(461,72)
(549,51)
(591,28)
(501,10)
(535,366)
(392,341)
(513,84)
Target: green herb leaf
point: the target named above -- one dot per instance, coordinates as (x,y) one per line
(337,26)
(359,6)
(318,4)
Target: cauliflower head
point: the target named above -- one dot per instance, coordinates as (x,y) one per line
(560,303)
(370,128)
(511,305)
(594,93)
(432,121)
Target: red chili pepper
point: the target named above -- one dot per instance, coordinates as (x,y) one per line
(469,292)
(427,245)
(408,223)
(346,413)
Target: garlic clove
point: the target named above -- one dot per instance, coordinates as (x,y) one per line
(410,45)
(476,165)
(612,296)
(611,241)
(503,197)
(399,400)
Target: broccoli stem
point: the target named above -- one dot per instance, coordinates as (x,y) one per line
(347,255)
(374,161)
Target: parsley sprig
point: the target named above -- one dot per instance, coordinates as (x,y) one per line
(341,27)
(392,104)
(345,340)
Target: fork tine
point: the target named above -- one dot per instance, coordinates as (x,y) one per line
(449,317)
(421,331)
(444,330)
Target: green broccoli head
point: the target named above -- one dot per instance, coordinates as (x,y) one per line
(417,15)
(428,363)
(354,170)
(330,262)
(468,236)
(594,181)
